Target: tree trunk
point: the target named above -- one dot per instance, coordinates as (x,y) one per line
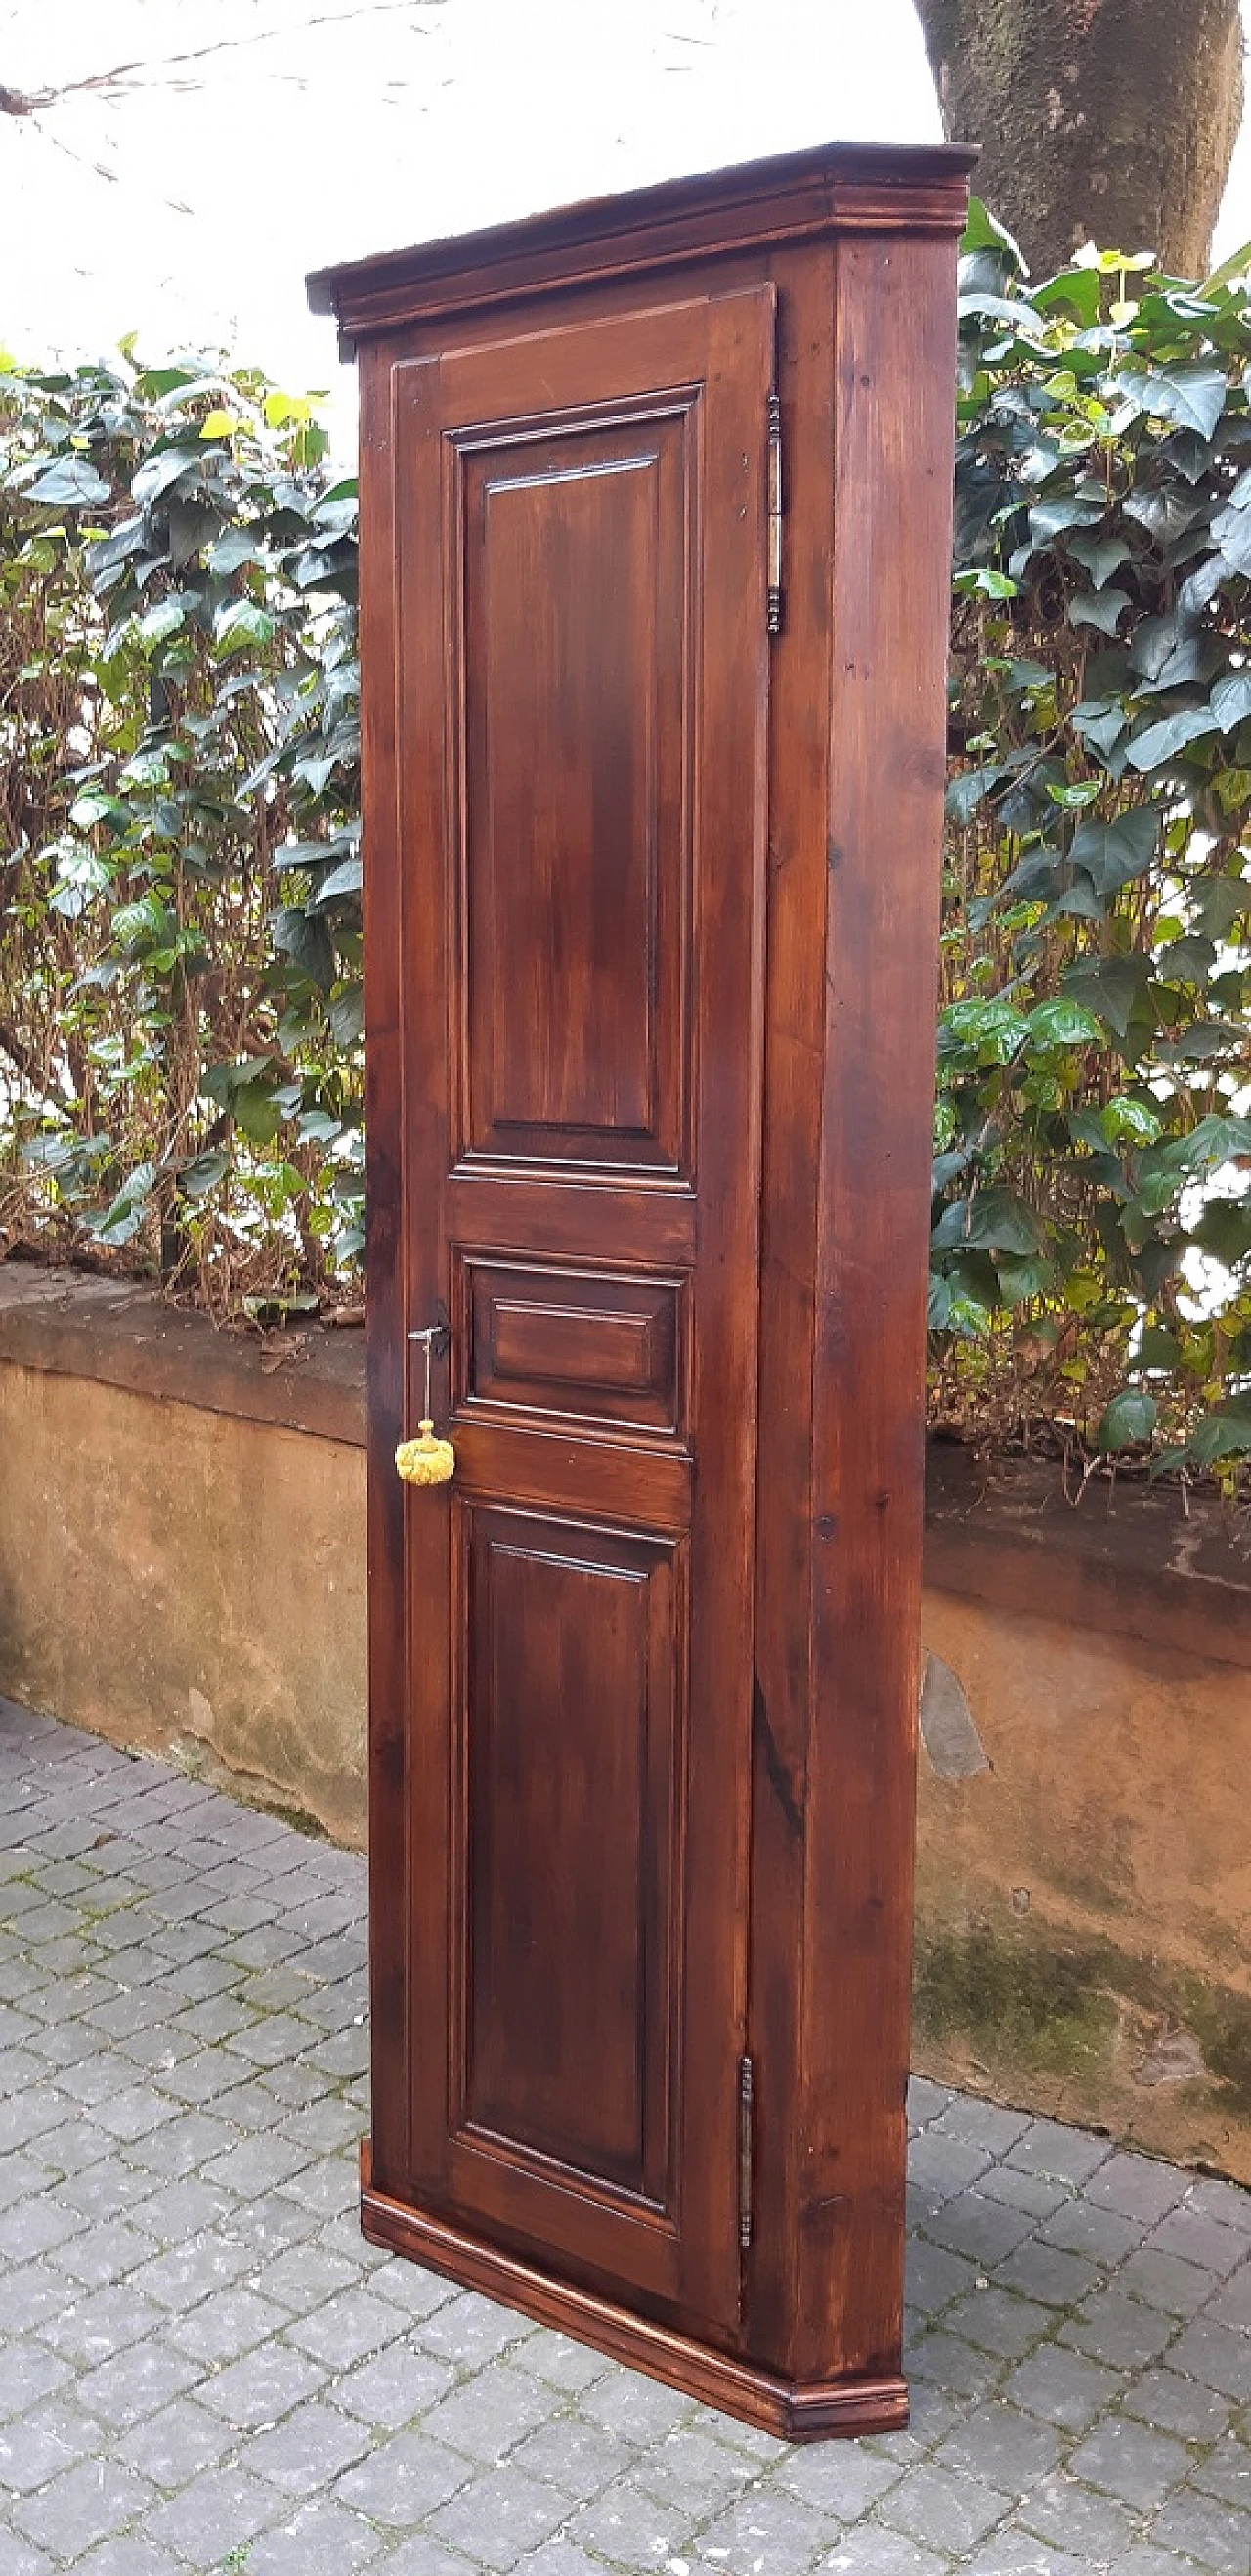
(1100,120)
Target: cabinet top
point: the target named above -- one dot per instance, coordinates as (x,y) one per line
(795,196)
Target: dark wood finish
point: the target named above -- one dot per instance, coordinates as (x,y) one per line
(587,1343)
(574,516)
(811,196)
(756,2396)
(651,946)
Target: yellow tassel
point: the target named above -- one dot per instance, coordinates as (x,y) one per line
(426,1461)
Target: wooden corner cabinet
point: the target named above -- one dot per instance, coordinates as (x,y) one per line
(655,529)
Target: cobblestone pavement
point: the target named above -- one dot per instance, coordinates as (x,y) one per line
(203,2366)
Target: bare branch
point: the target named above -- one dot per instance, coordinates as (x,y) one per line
(16,102)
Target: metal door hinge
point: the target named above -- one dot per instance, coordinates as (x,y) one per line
(746,2099)
(774,574)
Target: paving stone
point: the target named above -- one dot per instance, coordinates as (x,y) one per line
(953,2364)
(1227,2473)
(306,2276)
(264,2385)
(489,2414)
(999,2321)
(1060,2154)
(173,2446)
(1122,2331)
(136,2382)
(839,2479)
(1138,2186)
(939,2167)
(1177,2405)
(981,2124)
(1011,2552)
(107,2252)
(630,2528)
(422,2555)
(468,2330)
(1128,2459)
(870,2552)
(1147,2560)
(1227,2202)
(496,2519)
(1180,2289)
(218,2513)
(640,2409)
(933,2275)
(393,2389)
(555,2357)
(32,2294)
(557,2557)
(403,2480)
(1102,2234)
(34,2227)
(184,2145)
(186,2273)
(27,2374)
(1092,2527)
(227,2324)
(1046,2272)
(1064,2387)
(1232,2304)
(308,2448)
(126,2556)
(1009,2449)
(694,2470)
(179,2209)
(349,2325)
(579,2458)
(320,2539)
(1213,2533)
(937,2506)
(927,2100)
(1217,2355)
(36,2448)
(82,2505)
(984,2230)
(92,2329)
(256,2164)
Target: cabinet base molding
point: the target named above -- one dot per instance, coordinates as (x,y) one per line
(813,2412)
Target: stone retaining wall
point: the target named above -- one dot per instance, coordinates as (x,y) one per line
(182,1569)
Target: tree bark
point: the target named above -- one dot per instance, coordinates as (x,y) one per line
(1100,120)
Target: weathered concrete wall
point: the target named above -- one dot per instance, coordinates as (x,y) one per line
(1084,1898)
(175,1576)
(182,1568)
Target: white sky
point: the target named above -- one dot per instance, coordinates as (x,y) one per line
(187,201)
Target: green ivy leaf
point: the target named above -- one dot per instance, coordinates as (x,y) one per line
(1113,854)
(1062,1023)
(71,485)
(1224,1231)
(1130,1420)
(1173,734)
(1189,397)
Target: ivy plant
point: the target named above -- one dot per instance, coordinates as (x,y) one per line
(180,1021)
(1091,1264)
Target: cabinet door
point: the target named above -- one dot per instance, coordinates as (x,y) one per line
(565,730)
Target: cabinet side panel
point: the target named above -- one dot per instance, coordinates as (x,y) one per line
(894,364)
(799,706)
(388,1785)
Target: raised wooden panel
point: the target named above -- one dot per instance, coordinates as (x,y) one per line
(577,721)
(568,1926)
(574,685)
(594,1345)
